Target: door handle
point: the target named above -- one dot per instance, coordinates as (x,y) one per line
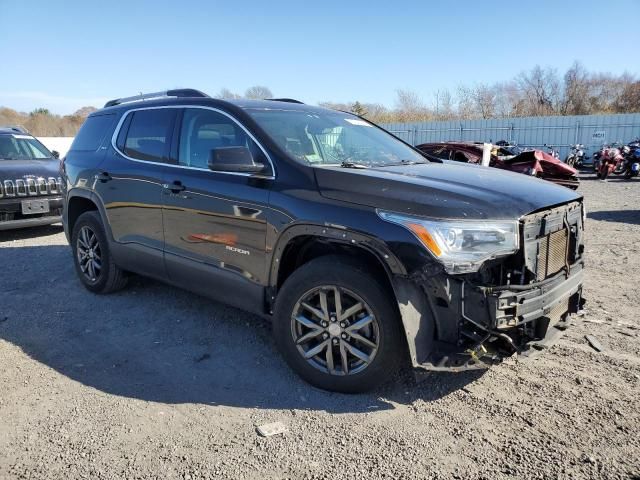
(175,187)
(103,177)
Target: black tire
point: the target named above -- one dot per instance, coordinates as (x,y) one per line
(350,278)
(604,174)
(109,277)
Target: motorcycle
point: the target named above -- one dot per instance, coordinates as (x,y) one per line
(596,159)
(610,162)
(576,156)
(631,163)
(552,151)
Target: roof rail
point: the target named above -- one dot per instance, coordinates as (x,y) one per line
(288,100)
(179,92)
(16,128)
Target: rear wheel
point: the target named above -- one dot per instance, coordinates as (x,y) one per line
(93,260)
(337,326)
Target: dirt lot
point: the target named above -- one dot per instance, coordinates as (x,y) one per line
(153,382)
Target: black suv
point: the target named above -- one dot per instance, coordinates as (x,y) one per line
(361,251)
(30,193)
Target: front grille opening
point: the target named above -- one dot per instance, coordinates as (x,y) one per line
(9,188)
(42,186)
(552,254)
(21,187)
(53,187)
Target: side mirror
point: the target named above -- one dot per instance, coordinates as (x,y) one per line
(55,154)
(233,159)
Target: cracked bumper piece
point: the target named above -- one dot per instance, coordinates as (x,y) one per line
(474,327)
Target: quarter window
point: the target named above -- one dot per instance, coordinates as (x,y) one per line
(149,134)
(92,133)
(204,130)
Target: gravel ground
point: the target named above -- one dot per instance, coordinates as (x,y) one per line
(153,382)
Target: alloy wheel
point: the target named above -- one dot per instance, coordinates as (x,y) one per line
(89,254)
(335,330)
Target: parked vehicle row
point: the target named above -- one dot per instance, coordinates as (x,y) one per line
(619,160)
(362,250)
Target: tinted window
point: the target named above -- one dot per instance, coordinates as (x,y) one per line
(92,132)
(203,130)
(149,134)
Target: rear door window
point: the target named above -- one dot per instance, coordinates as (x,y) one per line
(149,134)
(93,132)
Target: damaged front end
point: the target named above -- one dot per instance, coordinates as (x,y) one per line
(515,305)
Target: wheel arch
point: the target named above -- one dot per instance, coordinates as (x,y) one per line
(78,202)
(302,243)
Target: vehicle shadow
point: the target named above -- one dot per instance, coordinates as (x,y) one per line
(31,232)
(619,216)
(157,343)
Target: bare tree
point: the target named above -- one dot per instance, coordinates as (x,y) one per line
(484,98)
(605,90)
(377,113)
(443,105)
(509,102)
(227,94)
(576,91)
(410,108)
(84,111)
(629,100)
(466,104)
(541,87)
(258,92)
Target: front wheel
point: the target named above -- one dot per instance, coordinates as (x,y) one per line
(336,325)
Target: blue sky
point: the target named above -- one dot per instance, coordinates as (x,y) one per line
(73,53)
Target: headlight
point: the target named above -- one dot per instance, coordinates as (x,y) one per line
(462,246)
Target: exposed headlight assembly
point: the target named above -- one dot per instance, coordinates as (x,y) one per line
(462,246)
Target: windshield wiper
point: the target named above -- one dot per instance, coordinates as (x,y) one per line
(349,164)
(404,162)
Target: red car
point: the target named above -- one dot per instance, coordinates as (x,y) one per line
(534,162)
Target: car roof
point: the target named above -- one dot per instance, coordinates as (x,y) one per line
(13,131)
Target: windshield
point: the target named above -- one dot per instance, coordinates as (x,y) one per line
(333,138)
(22,147)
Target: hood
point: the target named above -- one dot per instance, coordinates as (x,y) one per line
(440,190)
(17,169)
(541,161)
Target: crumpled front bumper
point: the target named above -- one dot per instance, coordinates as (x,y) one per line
(476,327)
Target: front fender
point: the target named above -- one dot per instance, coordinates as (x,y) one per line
(338,235)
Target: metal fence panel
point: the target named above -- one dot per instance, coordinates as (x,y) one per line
(536,132)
